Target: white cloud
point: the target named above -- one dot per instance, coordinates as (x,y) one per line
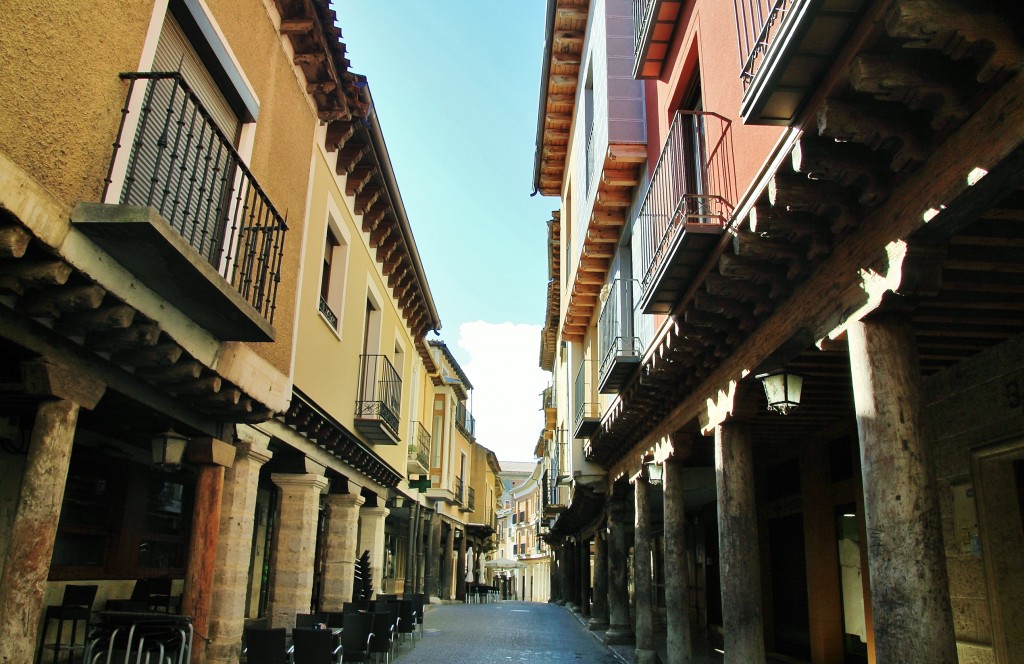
(507,380)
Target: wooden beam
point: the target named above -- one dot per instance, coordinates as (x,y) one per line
(315,58)
(50,302)
(375,217)
(13,241)
(614,197)
(350,155)
(566,59)
(564,80)
(875,125)
(572,13)
(114,317)
(847,164)
(627,153)
(36,273)
(607,218)
(338,133)
(366,198)
(562,98)
(911,81)
(568,37)
(296,26)
(164,354)
(141,334)
(358,179)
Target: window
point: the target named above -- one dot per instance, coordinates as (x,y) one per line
(332,279)
(513,518)
(515,549)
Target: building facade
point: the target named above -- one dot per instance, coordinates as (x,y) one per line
(782,327)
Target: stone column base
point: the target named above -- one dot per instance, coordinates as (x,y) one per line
(618,635)
(597,624)
(641,656)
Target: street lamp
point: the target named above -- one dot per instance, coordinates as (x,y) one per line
(782,389)
(168,449)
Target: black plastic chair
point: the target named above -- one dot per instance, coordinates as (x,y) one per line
(75,606)
(310,620)
(383,632)
(417,610)
(356,636)
(406,617)
(266,646)
(314,646)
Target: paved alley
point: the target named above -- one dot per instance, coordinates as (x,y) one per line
(504,632)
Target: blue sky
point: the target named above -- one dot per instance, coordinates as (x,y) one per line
(455,84)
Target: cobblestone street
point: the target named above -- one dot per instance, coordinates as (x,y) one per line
(504,632)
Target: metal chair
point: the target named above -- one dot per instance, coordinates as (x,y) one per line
(266,646)
(75,606)
(356,636)
(315,646)
(310,620)
(417,609)
(383,640)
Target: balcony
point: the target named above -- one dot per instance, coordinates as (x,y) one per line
(418,459)
(550,407)
(468,503)
(618,347)
(460,488)
(654,22)
(688,203)
(464,421)
(380,400)
(191,221)
(786,47)
(586,420)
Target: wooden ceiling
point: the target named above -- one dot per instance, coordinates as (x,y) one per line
(549,334)
(563,55)
(919,100)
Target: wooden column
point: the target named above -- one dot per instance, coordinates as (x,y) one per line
(822,554)
(234,546)
(340,549)
(446,563)
(619,630)
(460,569)
(413,551)
(584,575)
(212,456)
(599,608)
(909,590)
(572,586)
(34,529)
(740,566)
(643,583)
(677,603)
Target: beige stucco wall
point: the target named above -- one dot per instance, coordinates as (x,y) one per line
(327,361)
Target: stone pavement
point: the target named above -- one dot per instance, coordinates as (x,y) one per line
(503,632)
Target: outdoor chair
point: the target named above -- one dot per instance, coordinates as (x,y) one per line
(417,610)
(356,635)
(383,634)
(75,606)
(310,620)
(314,646)
(406,623)
(266,646)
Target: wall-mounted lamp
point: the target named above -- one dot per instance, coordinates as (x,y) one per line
(655,472)
(782,390)
(168,449)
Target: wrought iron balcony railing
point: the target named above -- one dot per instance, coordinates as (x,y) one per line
(419,448)
(465,421)
(586,419)
(618,346)
(182,164)
(459,491)
(380,392)
(757,23)
(471,499)
(691,191)
(331,317)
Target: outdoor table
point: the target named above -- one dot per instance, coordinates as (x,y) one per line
(135,633)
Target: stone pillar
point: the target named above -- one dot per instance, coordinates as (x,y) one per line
(291,561)
(584,577)
(909,590)
(643,583)
(740,565)
(371,538)
(619,630)
(433,564)
(234,546)
(412,551)
(340,554)
(34,529)
(599,610)
(446,563)
(212,456)
(677,603)
(460,567)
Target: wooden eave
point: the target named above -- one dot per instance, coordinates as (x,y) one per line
(616,182)
(656,38)
(885,141)
(374,199)
(320,54)
(57,300)
(308,419)
(562,63)
(549,333)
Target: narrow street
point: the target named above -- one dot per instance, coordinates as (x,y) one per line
(503,632)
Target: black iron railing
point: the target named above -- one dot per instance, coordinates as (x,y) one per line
(693,182)
(585,407)
(325,309)
(464,420)
(757,21)
(470,499)
(380,391)
(459,488)
(182,164)
(548,397)
(419,448)
(643,13)
(615,336)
